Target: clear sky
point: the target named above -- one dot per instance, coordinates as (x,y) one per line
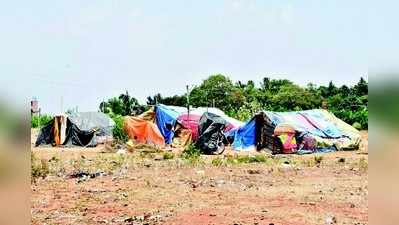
(86,51)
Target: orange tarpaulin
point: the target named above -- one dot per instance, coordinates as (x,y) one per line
(143,131)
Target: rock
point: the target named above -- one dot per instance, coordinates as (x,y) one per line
(341,160)
(331,220)
(251,171)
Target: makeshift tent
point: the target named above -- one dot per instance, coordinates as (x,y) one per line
(62,131)
(329,132)
(166,121)
(93,120)
(211,138)
(158,126)
(244,137)
(98,121)
(191,120)
(143,131)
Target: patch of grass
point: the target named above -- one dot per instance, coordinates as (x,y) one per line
(168,155)
(191,152)
(218,161)
(246,159)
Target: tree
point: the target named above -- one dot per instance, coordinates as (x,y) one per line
(265,85)
(361,88)
(128,103)
(123,105)
(217,89)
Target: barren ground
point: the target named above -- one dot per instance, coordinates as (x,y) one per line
(145,188)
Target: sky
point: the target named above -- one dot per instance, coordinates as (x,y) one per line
(77,53)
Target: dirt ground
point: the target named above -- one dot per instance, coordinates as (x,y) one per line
(150,187)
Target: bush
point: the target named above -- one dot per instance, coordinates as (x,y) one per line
(168,155)
(191,152)
(40,121)
(119,132)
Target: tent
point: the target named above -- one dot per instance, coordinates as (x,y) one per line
(211,138)
(143,131)
(63,131)
(157,126)
(329,132)
(191,120)
(98,121)
(166,121)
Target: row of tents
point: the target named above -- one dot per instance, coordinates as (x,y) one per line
(211,129)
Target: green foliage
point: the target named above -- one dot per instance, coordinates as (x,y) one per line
(247,159)
(191,152)
(168,155)
(123,105)
(40,121)
(119,132)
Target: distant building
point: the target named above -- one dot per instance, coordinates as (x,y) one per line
(34,107)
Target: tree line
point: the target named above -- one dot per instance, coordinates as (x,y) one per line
(242,100)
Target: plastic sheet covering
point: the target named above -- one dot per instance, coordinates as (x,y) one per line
(210,132)
(99,121)
(166,121)
(191,120)
(244,137)
(73,135)
(143,131)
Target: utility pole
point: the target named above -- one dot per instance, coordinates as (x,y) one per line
(188,103)
(62,105)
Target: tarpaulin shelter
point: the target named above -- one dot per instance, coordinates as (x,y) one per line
(166,121)
(63,131)
(156,126)
(210,130)
(93,120)
(329,132)
(143,131)
(101,122)
(191,120)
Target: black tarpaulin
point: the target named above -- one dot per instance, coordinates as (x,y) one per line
(210,131)
(73,135)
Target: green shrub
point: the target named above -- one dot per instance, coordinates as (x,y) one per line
(191,152)
(168,155)
(40,121)
(119,132)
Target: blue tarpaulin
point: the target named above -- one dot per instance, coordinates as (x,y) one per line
(244,137)
(166,120)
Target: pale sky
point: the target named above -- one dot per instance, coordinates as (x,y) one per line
(86,51)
